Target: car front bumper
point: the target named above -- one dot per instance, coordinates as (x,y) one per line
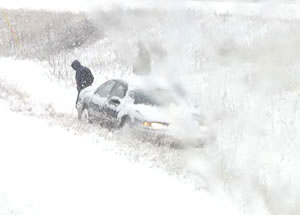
(167,137)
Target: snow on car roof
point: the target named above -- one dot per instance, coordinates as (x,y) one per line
(148,83)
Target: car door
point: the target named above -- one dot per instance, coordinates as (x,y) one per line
(113,105)
(98,102)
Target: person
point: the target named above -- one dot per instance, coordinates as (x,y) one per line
(84,77)
(142,65)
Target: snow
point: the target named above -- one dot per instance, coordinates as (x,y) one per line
(76,5)
(47,169)
(251,92)
(30,78)
(267,9)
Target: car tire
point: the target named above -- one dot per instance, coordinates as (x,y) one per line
(125,121)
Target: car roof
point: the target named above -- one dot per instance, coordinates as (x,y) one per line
(120,81)
(138,83)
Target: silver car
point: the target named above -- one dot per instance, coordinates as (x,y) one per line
(151,113)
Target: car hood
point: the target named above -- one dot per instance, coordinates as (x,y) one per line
(179,119)
(152,113)
(168,114)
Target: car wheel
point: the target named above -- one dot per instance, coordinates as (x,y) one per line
(85,116)
(125,121)
(125,130)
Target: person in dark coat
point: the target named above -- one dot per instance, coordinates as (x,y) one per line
(84,77)
(142,65)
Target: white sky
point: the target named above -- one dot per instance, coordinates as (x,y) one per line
(270,9)
(84,5)
(74,5)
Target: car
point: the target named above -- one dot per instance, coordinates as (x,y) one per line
(148,110)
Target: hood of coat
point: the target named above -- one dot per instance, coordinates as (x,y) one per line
(76,64)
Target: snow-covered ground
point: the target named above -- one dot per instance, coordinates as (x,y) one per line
(238,60)
(48,169)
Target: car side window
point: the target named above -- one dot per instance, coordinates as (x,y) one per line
(104,89)
(119,91)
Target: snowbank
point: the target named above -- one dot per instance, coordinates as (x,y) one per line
(48,170)
(31,78)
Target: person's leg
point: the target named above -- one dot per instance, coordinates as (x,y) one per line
(77,96)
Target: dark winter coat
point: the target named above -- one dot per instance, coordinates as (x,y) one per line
(142,65)
(84,76)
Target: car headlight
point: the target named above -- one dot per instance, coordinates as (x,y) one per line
(155,125)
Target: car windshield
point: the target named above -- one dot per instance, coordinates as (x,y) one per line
(157,97)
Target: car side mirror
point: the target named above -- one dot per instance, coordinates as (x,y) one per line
(114,101)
